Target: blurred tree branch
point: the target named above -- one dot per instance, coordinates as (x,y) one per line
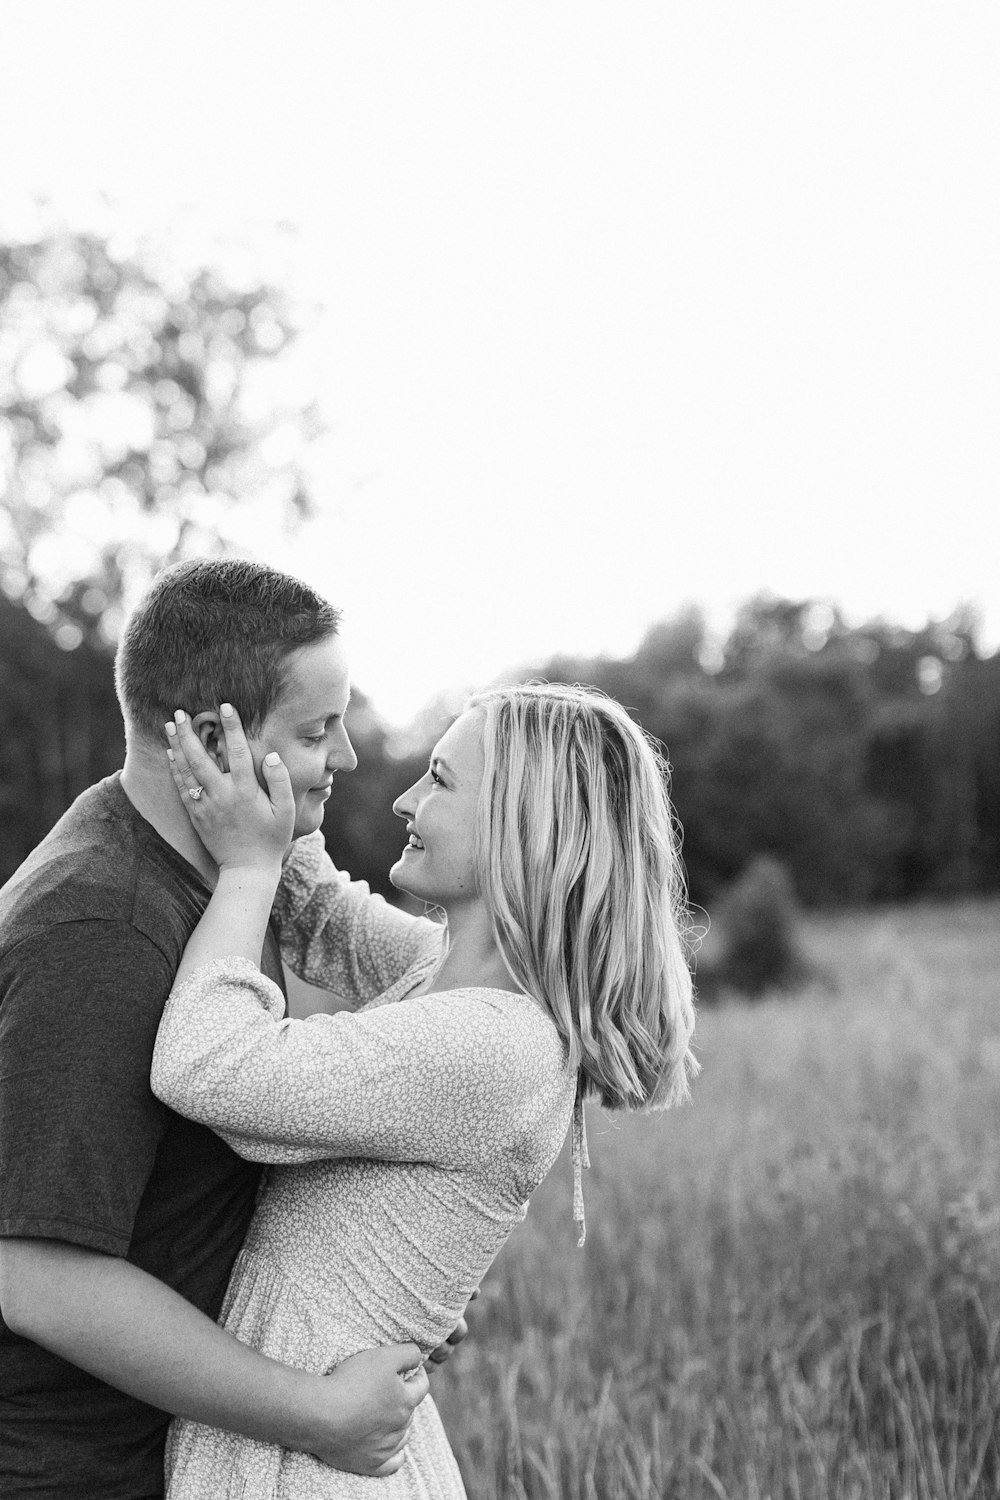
(139,411)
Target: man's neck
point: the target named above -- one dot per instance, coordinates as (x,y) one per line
(148,785)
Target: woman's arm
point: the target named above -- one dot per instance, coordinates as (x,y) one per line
(246,828)
(336,934)
(444,1077)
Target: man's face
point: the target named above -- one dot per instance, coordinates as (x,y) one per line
(306,727)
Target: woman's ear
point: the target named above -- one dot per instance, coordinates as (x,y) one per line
(208,727)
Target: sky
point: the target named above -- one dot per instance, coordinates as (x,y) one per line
(624,305)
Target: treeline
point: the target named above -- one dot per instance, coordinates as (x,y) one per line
(866,760)
(60,729)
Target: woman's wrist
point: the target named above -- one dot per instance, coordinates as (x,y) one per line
(249,876)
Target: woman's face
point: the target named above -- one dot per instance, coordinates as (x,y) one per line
(438,863)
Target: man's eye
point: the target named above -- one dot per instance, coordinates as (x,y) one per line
(436,779)
(314,739)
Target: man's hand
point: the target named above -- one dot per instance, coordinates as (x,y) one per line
(125,1327)
(371,1399)
(459,1332)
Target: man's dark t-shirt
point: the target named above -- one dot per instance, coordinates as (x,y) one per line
(92,928)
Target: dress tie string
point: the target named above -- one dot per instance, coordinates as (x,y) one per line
(581,1159)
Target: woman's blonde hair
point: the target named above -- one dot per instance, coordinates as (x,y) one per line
(578,861)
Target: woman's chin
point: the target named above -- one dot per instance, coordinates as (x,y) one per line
(403,879)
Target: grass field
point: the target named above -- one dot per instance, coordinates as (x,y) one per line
(790,1288)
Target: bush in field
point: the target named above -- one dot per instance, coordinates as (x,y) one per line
(759,947)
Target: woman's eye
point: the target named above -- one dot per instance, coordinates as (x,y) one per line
(436,779)
(314,739)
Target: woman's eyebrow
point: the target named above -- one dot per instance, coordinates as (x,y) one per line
(438,760)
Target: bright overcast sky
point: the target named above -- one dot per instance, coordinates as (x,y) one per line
(626,304)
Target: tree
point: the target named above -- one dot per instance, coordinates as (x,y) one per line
(60,729)
(138,414)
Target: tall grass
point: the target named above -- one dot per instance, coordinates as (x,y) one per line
(791,1288)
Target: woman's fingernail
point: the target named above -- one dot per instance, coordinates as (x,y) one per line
(226,710)
(180,716)
(272,758)
(170,755)
(170,728)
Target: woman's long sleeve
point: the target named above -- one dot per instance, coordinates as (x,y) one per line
(447,1078)
(334,933)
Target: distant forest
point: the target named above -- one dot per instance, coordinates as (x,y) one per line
(866,760)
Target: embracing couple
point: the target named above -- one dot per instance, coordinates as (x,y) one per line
(149,1267)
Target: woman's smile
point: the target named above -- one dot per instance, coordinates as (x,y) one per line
(445,800)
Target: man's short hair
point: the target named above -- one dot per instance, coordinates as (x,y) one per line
(214,631)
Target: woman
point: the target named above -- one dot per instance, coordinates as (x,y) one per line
(408,1135)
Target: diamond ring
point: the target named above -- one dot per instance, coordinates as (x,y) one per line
(194,792)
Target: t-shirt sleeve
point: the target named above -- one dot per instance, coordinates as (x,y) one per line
(336,934)
(444,1078)
(79,1126)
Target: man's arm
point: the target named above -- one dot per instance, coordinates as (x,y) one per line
(122,1325)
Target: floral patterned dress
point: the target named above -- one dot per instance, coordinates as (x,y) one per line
(405,1138)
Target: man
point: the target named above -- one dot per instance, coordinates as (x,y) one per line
(120,1221)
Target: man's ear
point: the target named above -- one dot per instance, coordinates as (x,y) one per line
(208,727)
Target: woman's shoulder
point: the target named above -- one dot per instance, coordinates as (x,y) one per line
(512,1003)
(506,1025)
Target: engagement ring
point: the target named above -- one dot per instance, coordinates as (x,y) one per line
(194,792)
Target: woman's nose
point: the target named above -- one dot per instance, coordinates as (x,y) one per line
(404,803)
